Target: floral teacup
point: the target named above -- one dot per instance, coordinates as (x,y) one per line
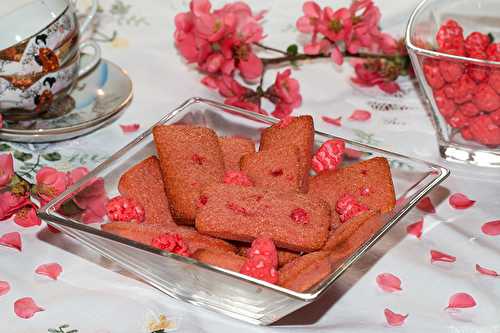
(40,56)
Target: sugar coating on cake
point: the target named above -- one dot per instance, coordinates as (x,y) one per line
(143,183)
(298,132)
(293,221)
(347,230)
(369,182)
(190,158)
(284,256)
(306,271)
(277,169)
(233,148)
(145,233)
(226,260)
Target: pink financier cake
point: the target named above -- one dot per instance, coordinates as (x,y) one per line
(360,186)
(294,131)
(226,260)
(190,158)
(143,183)
(145,233)
(277,169)
(305,272)
(233,148)
(293,221)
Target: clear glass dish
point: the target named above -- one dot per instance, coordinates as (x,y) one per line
(455,142)
(231,293)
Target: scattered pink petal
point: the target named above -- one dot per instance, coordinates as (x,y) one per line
(360,115)
(394,319)
(388,282)
(482,270)
(332,121)
(26,307)
(4,287)
(440,256)
(52,270)
(491,228)
(415,229)
(425,204)
(460,201)
(130,128)
(11,239)
(461,300)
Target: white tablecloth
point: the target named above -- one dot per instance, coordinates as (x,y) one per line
(92,295)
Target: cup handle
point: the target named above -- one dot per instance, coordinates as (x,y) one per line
(95,58)
(90,16)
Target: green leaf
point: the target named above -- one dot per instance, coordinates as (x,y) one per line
(55,156)
(5,147)
(21,156)
(292,50)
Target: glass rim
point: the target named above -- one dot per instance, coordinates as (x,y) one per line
(436,54)
(49,213)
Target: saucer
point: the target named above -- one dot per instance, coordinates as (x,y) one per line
(97,100)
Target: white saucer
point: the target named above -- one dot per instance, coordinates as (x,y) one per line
(96,101)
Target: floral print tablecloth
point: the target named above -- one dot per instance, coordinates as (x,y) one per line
(93,295)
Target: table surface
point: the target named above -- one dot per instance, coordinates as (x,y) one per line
(93,295)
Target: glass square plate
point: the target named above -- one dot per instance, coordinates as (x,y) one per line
(224,291)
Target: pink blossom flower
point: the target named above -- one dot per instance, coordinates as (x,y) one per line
(309,23)
(220,41)
(336,25)
(315,47)
(92,200)
(26,217)
(226,85)
(6,169)
(244,104)
(287,89)
(10,203)
(249,64)
(50,183)
(285,94)
(366,77)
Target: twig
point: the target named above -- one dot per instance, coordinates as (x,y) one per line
(270,48)
(302,56)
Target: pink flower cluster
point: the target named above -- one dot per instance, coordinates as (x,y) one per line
(15,193)
(356,27)
(220,41)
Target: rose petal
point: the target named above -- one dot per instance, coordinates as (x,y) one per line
(360,115)
(440,256)
(11,239)
(4,287)
(52,270)
(26,307)
(394,319)
(491,228)
(388,282)
(461,300)
(486,271)
(460,201)
(415,229)
(130,128)
(332,121)
(425,204)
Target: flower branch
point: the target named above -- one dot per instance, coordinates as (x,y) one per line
(225,41)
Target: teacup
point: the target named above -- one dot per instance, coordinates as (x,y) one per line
(30,56)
